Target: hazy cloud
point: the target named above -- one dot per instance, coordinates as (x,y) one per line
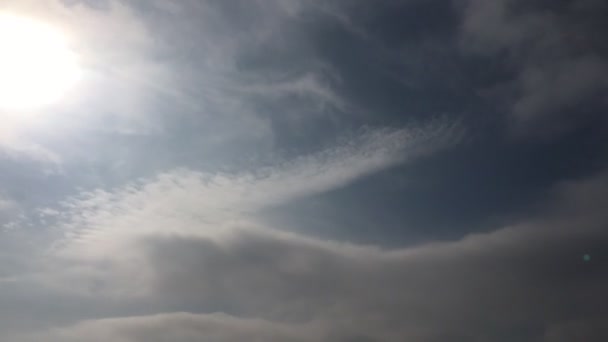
(180,327)
(218,198)
(195,119)
(558,63)
(529,281)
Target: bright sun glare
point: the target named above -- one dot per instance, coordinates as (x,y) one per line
(36,65)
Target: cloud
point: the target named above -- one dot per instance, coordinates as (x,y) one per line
(559,69)
(180,327)
(119,80)
(186,256)
(230,72)
(164,242)
(5,204)
(528,281)
(249,54)
(550,87)
(223,197)
(15,148)
(8,209)
(588,330)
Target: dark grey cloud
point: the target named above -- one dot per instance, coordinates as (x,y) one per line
(557,60)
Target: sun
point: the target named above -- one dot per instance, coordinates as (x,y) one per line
(37,66)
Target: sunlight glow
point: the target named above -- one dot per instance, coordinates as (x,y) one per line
(36,65)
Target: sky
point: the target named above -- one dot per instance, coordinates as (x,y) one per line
(312,170)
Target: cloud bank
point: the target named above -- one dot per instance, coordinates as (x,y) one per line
(529,281)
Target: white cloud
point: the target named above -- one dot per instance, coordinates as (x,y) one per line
(527,277)
(184,240)
(187,240)
(214,199)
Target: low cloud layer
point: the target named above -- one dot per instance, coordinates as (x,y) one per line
(539,280)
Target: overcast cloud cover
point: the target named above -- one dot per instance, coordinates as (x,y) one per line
(295,170)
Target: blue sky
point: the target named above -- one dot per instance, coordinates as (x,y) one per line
(294,170)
